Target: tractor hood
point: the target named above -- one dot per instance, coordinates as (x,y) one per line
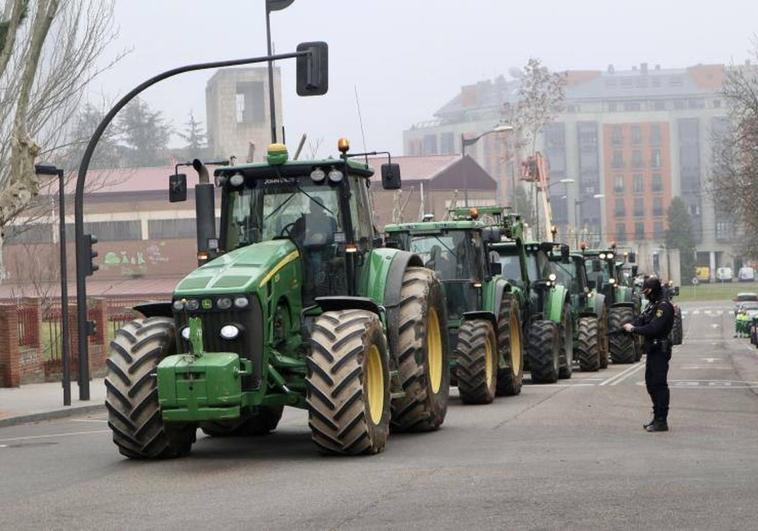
(243,270)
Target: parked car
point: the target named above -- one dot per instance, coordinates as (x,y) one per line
(741,298)
(746,274)
(703,273)
(724,274)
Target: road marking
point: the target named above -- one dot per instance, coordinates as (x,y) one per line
(3,446)
(619,375)
(715,325)
(695,312)
(52,435)
(685,312)
(711,360)
(707,312)
(88,420)
(627,375)
(720,312)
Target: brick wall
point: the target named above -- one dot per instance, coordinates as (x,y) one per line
(10,369)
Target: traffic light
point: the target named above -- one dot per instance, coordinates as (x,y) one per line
(89,255)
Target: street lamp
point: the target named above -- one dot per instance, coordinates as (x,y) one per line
(50,170)
(272,5)
(502,128)
(549,186)
(577,218)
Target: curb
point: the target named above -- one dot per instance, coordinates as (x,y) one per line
(50,415)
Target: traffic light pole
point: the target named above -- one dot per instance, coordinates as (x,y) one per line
(83,247)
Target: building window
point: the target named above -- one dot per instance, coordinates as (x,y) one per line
(655,158)
(657,182)
(680,104)
(109,231)
(639,231)
(716,104)
(171,229)
(637,184)
(430,145)
(658,230)
(620,232)
(659,105)
(723,230)
(249,102)
(636,134)
(33,233)
(617,135)
(655,135)
(637,159)
(656,82)
(618,184)
(619,211)
(632,106)
(447,141)
(618,159)
(696,104)
(612,107)
(657,206)
(639,207)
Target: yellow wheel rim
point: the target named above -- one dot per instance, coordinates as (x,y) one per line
(515,344)
(434,350)
(374,386)
(489,363)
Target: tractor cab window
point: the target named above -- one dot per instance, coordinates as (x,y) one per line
(565,275)
(360,208)
(537,267)
(597,271)
(511,265)
(455,255)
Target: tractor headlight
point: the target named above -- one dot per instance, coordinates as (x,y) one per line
(178,305)
(609,256)
(224,303)
(192,305)
(229,332)
(318,175)
(241,302)
(185,332)
(236,179)
(602,256)
(552,277)
(335,176)
(611,281)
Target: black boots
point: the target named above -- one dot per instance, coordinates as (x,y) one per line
(657,425)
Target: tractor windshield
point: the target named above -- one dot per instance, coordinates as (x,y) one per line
(455,255)
(598,270)
(565,274)
(299,209)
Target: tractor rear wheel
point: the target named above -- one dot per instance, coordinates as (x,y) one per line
(264,421)
(134,414)
(509,379)
(477,357)
(544,351)
(420,343)
(348,383)
(603,344)
(587,344)
(567,343)
(623,346)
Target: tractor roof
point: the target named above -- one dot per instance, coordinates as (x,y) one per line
(292,168)
(424,227)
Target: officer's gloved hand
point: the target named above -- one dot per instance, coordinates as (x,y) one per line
(628,327)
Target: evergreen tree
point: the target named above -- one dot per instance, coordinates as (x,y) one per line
(680,236)
(195,137)
(145,134)
(107,151)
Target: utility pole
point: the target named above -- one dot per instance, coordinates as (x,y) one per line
(272,5)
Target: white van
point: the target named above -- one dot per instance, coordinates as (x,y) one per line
(746,274)
(724,274)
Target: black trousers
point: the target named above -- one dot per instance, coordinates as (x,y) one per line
(656,373)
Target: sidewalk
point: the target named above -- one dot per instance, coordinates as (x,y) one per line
(35,402)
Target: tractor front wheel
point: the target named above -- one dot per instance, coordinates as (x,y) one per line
(567,343)
(603,344)
(544,351)
(420,343)
(477,357)
(348,383)
(134,414)
(587,344)
(509,379)
(623,347)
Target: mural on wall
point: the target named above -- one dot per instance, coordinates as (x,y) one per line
(134,263)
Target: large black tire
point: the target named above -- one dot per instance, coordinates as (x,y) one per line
(477,357)
(676,330)
(567,343)
(587,344)
(419,339)
(134,414)
(603,344)
(263,422)
(510,378)
(623,347)
(348,383)
(543,351)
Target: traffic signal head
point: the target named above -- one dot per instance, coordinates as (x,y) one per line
(89,254)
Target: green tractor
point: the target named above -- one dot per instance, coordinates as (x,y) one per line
(544,304)
(295,304)
(484,322)
(604,270)
(588,309)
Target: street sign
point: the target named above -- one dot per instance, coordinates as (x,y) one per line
(695,281)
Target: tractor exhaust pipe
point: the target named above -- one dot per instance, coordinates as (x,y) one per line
(205,214)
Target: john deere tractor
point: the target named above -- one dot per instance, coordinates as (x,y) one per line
(544,304)
(295,304)
(605,276)
(588,309)
(484,322)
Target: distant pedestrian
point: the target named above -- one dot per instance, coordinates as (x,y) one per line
(655,324)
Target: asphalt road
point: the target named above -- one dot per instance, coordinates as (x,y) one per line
(568,456)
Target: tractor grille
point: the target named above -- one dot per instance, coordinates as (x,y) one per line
(248,345)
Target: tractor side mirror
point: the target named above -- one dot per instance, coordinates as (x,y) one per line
(676,291)
(391,176)
(313,69)
(634,270)
(591,284)
(632,258)
(565,254)
(177,188)
(496,268)
(491,234)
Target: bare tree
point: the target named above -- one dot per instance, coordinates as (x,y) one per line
(48,55)
(734,182)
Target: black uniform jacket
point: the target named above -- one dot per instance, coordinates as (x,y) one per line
(656,321)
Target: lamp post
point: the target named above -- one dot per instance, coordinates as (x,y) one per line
(578,218)
(504,128)
(44,169)
(272,5)
(566,182)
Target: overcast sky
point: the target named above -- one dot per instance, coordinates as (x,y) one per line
(409,57)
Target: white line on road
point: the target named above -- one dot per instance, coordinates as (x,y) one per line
(619,375)
(88,420)
(627,375)
(695,312)
(53,435)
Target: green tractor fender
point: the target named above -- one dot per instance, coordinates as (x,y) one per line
(493,291)
(154,309)
(598,303)
(557,297)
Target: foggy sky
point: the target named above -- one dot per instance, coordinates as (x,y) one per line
(409,57)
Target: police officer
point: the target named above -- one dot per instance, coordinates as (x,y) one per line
(655,324)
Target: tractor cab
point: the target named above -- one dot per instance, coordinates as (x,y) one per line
(603,272)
